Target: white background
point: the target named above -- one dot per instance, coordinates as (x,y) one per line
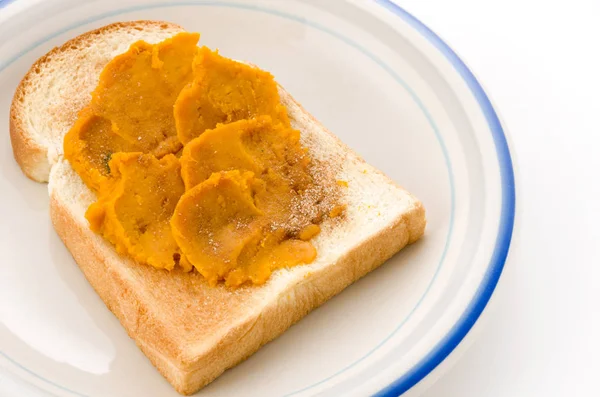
(540,62)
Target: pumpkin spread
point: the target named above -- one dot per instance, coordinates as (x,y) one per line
(195,165)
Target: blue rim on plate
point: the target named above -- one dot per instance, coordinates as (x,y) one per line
(507,216)
(5,2)
(492,275)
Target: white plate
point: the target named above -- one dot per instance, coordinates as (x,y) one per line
(387,86)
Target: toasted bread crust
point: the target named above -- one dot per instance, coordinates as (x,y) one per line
(187,370)
(245,339)
(30,153)
(117,292)
(31,156)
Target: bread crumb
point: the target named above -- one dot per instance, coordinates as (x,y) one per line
(336,211)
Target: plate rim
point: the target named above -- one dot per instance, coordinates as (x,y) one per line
(499,255)
(486,288)
(4,3)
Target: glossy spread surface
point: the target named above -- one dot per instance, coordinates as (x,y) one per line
(235,221)
(224,91)
(134,209)
(132,107)
(241,199)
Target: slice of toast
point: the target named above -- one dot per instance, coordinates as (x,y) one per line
(190,331)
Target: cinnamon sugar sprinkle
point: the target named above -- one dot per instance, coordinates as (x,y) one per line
(314,204)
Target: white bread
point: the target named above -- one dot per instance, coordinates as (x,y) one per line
(192,332)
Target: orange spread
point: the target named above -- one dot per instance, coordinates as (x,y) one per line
(241,181)
(195,164)
(224,91)
(133,212)
(256,145)
(132,107)
(237,244)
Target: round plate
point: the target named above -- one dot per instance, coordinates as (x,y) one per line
(389,88)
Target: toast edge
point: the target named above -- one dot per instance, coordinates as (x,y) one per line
(278,315)
(188,371)
(30,155)
(118,293)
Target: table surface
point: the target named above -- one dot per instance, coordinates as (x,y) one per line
(539,61)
